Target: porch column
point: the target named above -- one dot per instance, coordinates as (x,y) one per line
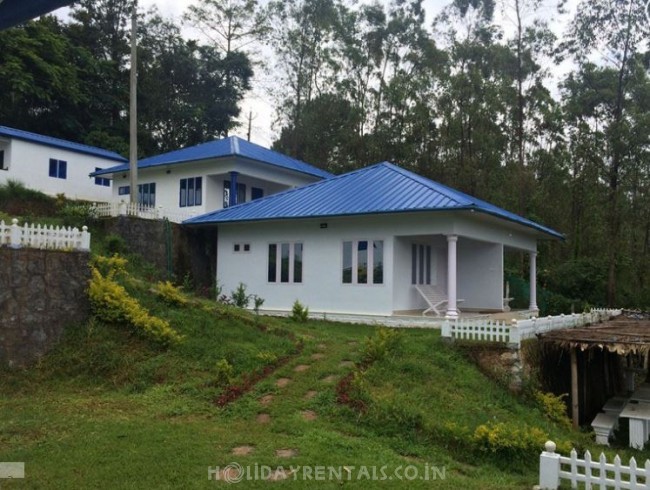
(452,311)
(533,282)
(233,189)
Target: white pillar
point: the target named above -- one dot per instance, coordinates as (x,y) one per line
(452,311)
(533,282)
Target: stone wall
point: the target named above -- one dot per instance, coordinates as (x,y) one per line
(41,291)
(166,245)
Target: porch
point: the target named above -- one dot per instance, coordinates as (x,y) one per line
(466,273)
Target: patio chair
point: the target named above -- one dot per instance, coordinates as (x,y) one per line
(435,298)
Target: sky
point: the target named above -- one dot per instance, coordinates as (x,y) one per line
(259,104)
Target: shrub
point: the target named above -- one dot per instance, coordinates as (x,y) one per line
(224,372)
(299,312)
(554,408)
(267,357)
(384,342)
(110,266)
(239,296)
(115,244)
(170,294)
(514,442)
(111,302)
(258,302)
(77,214)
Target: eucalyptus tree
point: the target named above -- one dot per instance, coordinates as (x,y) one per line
(610,34)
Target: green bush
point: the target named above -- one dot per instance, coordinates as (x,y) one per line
(239,296)
(115,244)
(224,372)
(77,214)
(170,294)
(384,343)
(18,200)
(299,312)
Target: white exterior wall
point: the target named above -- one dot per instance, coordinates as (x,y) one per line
(168,177)
(29,163)
(322,289)
(480,275)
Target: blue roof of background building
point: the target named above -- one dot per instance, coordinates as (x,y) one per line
(226,147)
(381,188)
(59,143)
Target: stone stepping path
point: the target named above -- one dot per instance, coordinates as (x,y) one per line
(301,368)
(282,382)
(346,364)
(329,379)
(263,418)
(318,356)
(321,346)
(286,453)
(279,474)
(243,450)
(266,400)
(309,415)
(310,394)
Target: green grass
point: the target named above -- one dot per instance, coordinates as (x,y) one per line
(107,409)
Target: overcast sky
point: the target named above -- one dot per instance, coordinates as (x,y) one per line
(258,102)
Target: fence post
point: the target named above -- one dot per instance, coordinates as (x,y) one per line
(549,467)
(14,235)
(446,329)
(121,209)
(85,239)
(514,337)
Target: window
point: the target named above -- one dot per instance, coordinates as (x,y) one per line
(124,190)
(256,193)
(420,264)
(3,165)
(58,168)
(363,262)
(285,262)
(238,247)
(241,193)
(101,180)
(147,194)
(191,192)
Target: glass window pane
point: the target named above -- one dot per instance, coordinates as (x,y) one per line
(421,265)
(241,193)
(362,262)
(52,167)
(347,262)
(378,262)
(273,250)
(414,262)
(152,194)
(284,272)
(198,191)
(63,169)
(190,192)
(297,262)
(182,200)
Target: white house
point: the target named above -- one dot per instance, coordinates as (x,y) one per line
(55,166)
(199,179)
(360,243)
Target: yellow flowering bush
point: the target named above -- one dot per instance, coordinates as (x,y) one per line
(554,407)
(111,302)
(170,294)
(508,439)
(110,266)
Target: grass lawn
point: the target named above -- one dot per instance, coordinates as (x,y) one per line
(107,409)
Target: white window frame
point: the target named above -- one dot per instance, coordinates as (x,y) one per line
(278,262)
(371,262)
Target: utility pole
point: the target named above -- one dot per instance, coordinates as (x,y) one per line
(133,112)
(250,124)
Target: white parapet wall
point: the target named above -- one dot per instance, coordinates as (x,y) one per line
(123,208)
(44,236)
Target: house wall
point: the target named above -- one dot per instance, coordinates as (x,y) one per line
(168,177)
(322,288)
(480,275)
(29,163)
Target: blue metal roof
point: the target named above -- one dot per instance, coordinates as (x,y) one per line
(227,147)
(14,12)
(381,188)
(59,143)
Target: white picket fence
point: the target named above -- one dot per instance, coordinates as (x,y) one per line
(43,236)
(123,208)
(514,332)
(553,468)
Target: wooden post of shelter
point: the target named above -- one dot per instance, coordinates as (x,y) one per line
(575,404)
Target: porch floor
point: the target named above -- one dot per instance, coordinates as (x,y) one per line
(405,319)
